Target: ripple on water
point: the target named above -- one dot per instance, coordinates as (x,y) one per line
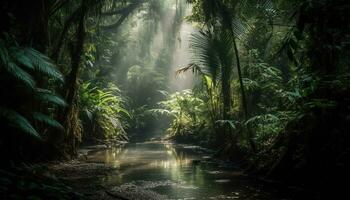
(167,183)
(224,197)
(214,172)
(222,180)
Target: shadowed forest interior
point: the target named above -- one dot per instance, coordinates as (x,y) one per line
(174,99)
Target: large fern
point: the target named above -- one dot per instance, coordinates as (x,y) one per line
(17,120)
(33,59)
(18,67)
(104,109)
(47,96)
(47,120)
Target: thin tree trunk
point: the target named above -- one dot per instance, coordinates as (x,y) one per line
(244,101)
(225,129)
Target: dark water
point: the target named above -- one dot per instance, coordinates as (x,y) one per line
(180,172)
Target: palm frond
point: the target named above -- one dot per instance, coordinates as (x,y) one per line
(238,27)
(212,53)
(203,48)
(224,50)
(193,67)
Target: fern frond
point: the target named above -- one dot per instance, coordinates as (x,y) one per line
(4,55)
(122,110)
(50,97)
(20,57)
(20,74)
(232,123)
(161,112)
(42,63)
(18,121)
(47,120)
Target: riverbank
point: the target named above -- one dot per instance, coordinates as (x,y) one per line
(73,179)
(158,170)
(84,175)
(148,171)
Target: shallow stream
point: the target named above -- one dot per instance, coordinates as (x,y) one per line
(178,172)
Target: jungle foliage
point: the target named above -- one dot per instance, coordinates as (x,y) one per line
(277,73)
(271,87)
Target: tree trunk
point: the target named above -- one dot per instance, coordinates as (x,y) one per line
(71,123)
(226,97)
(244,101)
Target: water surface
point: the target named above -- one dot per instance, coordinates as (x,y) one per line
(178,172)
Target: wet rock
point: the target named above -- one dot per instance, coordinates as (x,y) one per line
(133,192)
(75,169)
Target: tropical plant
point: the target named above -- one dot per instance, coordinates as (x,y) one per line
(226,17)
(24,71)
(189,114)
(213,52)
(103,111)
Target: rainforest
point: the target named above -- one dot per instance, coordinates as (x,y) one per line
(174,99)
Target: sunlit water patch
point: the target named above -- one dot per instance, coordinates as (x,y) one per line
(175,172)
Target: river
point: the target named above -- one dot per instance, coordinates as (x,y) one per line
(178,172)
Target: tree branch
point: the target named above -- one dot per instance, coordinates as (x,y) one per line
(125,12)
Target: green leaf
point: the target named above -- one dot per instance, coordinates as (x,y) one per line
(122,110)
(42,63)
(18,121)
(161,112)
(20,74)
(88,114)
(20,57)
(232,123)
(4,56)
(47,120)
(48,96)
(163,92)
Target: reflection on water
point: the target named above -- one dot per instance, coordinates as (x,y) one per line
(178,172)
